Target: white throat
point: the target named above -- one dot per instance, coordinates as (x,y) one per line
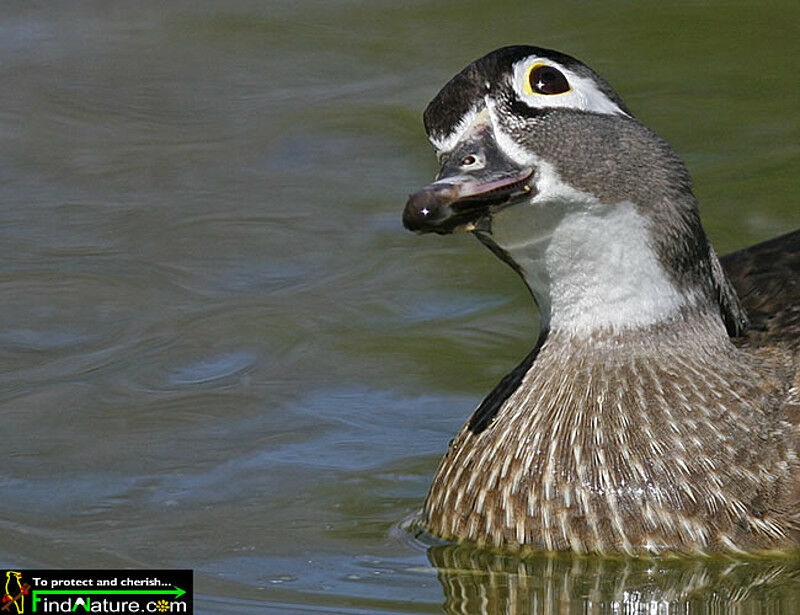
(590,265)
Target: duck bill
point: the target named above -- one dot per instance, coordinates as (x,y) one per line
(463,198)
(461,202)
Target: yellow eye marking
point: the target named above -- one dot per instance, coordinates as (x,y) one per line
(526,85)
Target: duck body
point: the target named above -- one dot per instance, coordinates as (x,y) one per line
(653,414)
(650,440)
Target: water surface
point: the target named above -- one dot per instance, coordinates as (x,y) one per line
(220,350)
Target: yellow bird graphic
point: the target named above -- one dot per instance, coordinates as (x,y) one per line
(14,592)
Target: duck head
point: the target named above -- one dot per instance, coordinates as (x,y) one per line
(547,166)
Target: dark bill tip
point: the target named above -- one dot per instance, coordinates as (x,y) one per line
(444,207)
(427,209)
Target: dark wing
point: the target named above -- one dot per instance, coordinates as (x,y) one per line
(766,277)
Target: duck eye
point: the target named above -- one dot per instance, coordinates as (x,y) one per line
(543,79)
(468,161)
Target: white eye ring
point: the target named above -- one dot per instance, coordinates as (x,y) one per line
(583,92)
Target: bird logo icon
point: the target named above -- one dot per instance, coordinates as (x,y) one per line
(15,592)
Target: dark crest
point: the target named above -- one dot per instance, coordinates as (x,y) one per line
(466,90)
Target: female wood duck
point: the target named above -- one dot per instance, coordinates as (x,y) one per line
(660,408)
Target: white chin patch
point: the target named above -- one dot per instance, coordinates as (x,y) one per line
(584,95)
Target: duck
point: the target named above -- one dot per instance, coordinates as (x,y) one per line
(659,411)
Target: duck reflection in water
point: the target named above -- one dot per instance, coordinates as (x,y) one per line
(482,582)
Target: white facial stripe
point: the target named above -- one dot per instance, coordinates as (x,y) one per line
(466,124)
(584,95)
(507,145)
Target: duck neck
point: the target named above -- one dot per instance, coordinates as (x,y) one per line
(597,269)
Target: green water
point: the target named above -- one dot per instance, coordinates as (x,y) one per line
(220,350)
